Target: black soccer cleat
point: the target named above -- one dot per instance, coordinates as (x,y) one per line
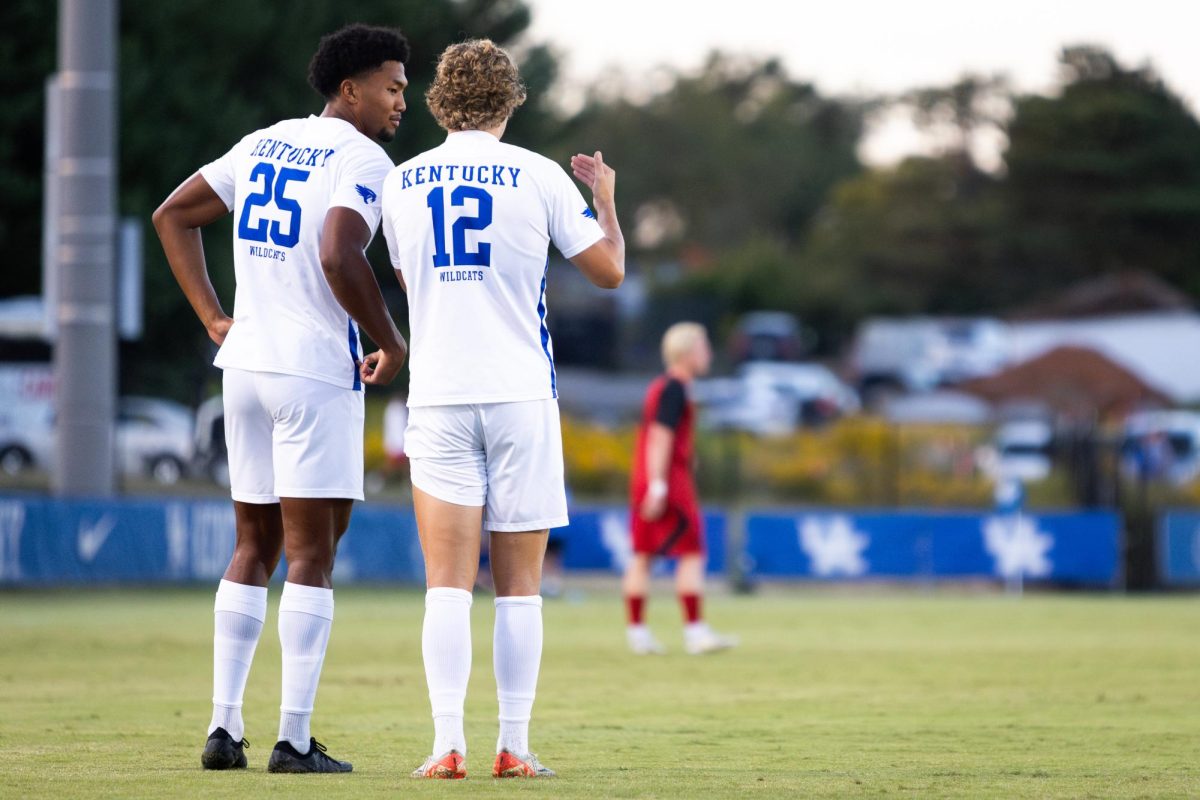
(222,752)
(285,758)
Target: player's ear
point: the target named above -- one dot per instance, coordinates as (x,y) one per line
(348,91)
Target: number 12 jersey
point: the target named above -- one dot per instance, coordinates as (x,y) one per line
(468,225)
(279,183)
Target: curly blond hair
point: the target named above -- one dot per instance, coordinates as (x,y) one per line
(476,87)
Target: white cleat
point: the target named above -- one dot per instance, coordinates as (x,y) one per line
(643,643)
(706,640)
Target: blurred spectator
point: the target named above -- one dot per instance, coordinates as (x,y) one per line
(1152,456)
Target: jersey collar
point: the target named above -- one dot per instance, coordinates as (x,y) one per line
(335,120)
(470,136)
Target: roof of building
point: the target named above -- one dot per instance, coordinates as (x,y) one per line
(1119,293)
(1077,382)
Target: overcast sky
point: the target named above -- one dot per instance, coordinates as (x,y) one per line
(870,46)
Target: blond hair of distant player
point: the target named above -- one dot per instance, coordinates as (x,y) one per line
(665,519)
(468,227)
(305,198)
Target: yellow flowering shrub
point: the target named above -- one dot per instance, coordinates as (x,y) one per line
(858,461)
(597,458)
(861,461)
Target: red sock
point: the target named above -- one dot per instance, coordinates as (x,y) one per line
(634,604)
(691,607)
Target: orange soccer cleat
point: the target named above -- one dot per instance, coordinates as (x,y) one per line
(510,765)
(450,766)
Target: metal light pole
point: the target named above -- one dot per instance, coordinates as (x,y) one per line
(84,254)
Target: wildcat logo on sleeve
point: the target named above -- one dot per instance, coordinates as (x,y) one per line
(367,195)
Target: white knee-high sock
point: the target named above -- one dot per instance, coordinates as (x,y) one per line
(305,618)
(517,657)
(238,616)
(446,648)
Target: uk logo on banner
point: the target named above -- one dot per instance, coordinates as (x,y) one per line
(1017,546)
(833,545)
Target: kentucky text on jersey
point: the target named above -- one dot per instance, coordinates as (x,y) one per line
(277,150)
(486,175)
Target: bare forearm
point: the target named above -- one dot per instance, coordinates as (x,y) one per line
(178,221)
(354,285)
(606,215)
(658,452)
(184,249)
(604,262)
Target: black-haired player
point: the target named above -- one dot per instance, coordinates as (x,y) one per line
(305,198)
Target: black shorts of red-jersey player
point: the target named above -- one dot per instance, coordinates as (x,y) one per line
(680,530)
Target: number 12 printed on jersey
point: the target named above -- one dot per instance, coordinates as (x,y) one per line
(462,257)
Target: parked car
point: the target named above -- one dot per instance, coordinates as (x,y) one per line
(211,453)
(20,446)
(937,407)
(894,356)
(27,392)
(772,398)
(972,347)
(734,404)
(26,438)
(767,336)
(153,437)
(1021,450)
(1162,445)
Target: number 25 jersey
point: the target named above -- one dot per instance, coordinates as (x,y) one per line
(279,183)
(468,225)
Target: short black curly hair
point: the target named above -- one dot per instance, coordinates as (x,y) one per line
(352,51)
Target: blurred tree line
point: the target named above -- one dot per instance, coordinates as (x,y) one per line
(1101,177)
(196,76)
(740,187)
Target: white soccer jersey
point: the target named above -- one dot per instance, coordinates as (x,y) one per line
(280,182)
(468,224)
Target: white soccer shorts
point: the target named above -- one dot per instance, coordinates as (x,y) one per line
(506,457)
(290,436)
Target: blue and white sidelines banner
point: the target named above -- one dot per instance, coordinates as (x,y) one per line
(598,539)
(1179,548)
(1078,547)
(48,541)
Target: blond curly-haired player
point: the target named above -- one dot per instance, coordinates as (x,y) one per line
(468,225)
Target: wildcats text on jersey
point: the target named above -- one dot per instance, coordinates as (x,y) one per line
(277,150)
(455,275)
(268,253)
(485,175)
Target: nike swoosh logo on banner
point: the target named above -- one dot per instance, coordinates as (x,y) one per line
(92,537)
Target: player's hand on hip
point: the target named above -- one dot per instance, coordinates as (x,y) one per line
(380,368)
(653,507)
(592,171)
(219,329)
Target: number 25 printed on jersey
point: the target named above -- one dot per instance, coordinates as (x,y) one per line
(274,187)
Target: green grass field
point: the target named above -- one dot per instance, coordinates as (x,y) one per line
(106,694)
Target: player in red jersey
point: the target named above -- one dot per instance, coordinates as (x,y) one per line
(666,521)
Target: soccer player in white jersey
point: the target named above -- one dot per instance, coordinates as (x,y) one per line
(305,194)
(468,226)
